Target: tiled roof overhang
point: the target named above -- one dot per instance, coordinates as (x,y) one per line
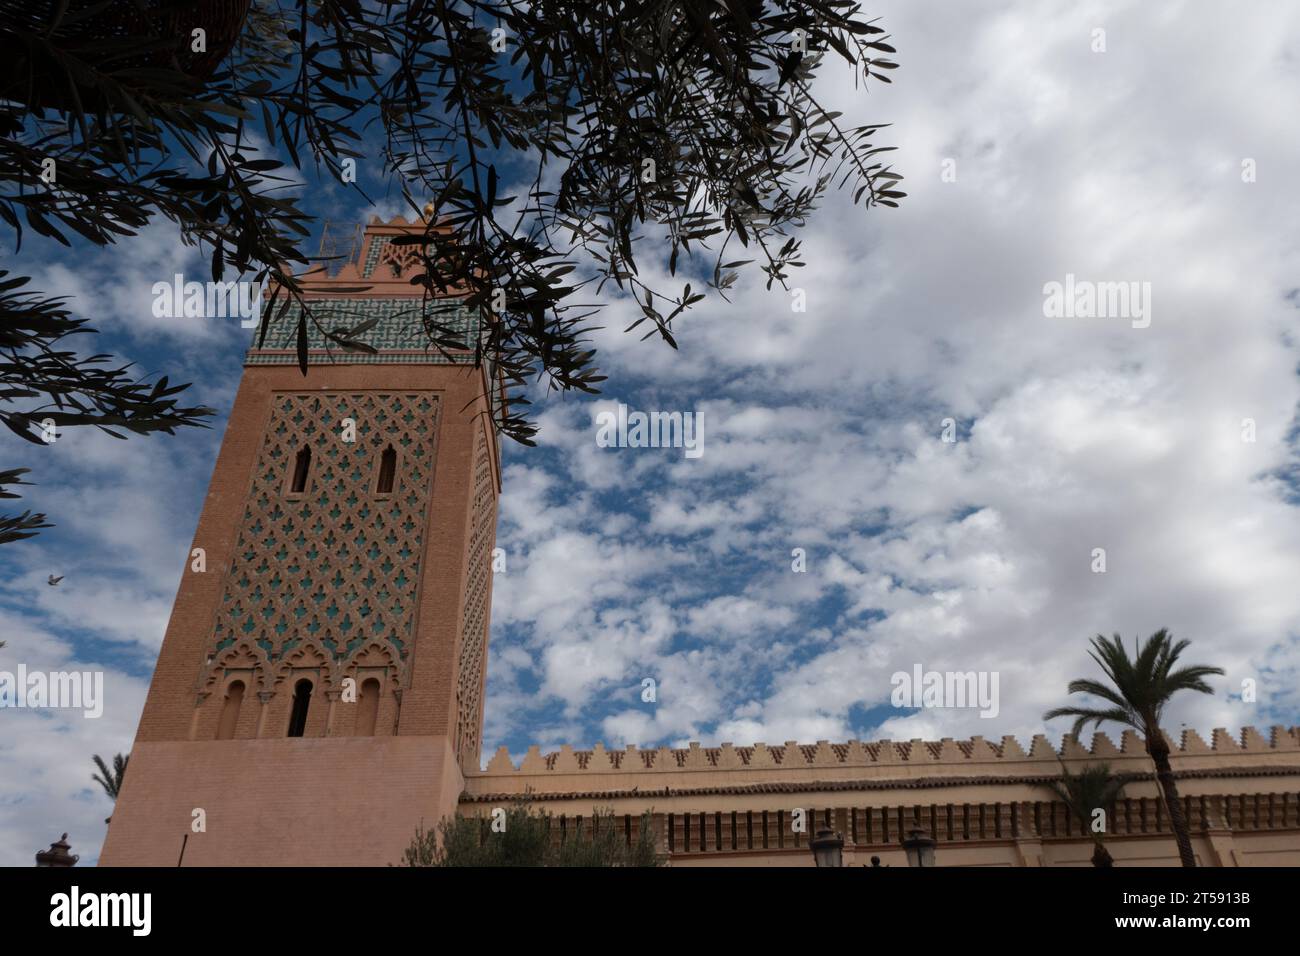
(810,786)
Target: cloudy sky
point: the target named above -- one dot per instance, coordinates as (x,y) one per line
(824,431)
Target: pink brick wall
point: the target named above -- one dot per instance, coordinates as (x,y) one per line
(326,801)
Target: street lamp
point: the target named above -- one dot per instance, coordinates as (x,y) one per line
(919,846)
(827,847)
(57,854)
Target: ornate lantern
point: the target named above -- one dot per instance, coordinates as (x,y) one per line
(919,846)
(57,854)
(827,847)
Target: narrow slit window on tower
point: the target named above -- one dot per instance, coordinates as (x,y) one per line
(300,469)
(301,701)
(368,708)
(230,711)
(387,471)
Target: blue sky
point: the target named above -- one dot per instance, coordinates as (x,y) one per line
(823,431)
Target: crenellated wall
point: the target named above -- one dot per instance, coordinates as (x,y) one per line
(984,801)
(886,759)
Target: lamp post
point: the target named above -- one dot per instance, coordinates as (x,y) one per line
(919,846)
(57,854)
(827,847)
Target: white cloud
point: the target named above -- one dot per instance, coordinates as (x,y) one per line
(823,428)
(46,787)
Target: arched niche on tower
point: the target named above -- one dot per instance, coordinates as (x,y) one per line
(305,661)
(243,662)
(374,662)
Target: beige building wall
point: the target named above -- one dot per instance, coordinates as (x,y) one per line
(984,802)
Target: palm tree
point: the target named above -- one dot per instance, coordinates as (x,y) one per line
(1092,789)
(1138,691)
(111,781)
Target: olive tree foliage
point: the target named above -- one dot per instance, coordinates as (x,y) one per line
(519,836)
(680,132)
(46,385)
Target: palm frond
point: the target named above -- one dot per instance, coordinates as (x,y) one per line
(1098,689)
(1083,715)
(1092,788)
(1192,678)
(1149,654)
(110,780)
(1139,686)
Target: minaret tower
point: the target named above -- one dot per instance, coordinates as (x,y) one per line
(319,692)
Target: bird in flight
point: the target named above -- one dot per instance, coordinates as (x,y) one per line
(53,580)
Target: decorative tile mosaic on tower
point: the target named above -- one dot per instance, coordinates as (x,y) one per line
(336,567)
(474,622)
(400,325)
